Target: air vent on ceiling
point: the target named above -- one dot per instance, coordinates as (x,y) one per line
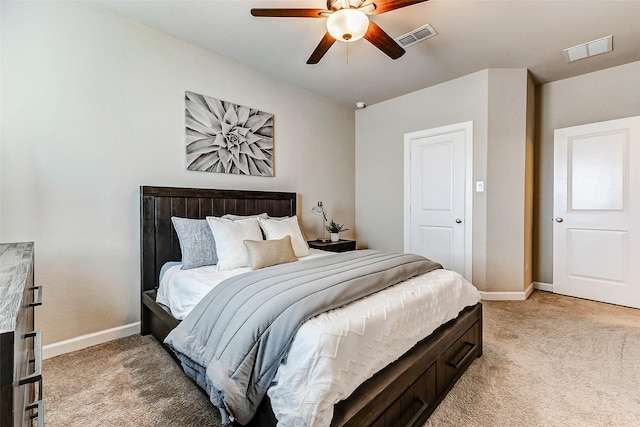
(592,48)
(417,35)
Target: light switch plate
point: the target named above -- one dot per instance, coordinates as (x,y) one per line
(479,186)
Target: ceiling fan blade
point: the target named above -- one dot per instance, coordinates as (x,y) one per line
(383,6)
(290,13)
(383,41)
(322,48)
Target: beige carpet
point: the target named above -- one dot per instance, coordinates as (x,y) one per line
(127,382)
(548,361)
(551,361)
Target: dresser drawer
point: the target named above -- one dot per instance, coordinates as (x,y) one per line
(20,345)
(23,348)
(28,357)
(27,383)
(24,324)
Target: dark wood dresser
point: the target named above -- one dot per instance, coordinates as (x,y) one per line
(20,345)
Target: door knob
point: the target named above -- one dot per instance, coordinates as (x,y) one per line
(559,219)
(458,221)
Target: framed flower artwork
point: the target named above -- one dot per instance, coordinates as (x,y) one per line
(227,138)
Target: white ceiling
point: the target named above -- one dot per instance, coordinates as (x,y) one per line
(472,35)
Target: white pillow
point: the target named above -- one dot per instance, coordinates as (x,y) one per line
(229,236)
(277,229)
(233,217)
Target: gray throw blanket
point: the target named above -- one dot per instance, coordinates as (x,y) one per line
(233,341)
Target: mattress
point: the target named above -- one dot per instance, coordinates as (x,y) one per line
(334,352)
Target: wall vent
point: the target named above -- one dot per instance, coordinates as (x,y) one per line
(417,35)
(592,48)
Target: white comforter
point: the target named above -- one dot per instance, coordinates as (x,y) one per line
(336,351)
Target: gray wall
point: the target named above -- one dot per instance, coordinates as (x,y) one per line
(609,94)
(508,268)
(380,130)
(498,103)
(92,108)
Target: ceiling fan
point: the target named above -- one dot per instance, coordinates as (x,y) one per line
(347,21)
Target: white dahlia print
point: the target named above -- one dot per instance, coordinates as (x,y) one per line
(227,138)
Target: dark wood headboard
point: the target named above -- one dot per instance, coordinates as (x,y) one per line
(158,240)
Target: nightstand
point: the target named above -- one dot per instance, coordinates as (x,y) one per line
(341,245)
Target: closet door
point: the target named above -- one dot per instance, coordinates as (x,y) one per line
(438,195)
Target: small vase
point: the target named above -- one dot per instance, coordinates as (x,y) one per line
(335,237)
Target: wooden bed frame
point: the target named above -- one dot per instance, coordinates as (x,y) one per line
(404,393)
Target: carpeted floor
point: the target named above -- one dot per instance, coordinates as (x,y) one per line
(127,382)
(551,361)
(548,361)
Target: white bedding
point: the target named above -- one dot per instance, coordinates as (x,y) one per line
(336,351)
(181,290)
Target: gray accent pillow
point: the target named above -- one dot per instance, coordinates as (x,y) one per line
(196,242)
(265,253)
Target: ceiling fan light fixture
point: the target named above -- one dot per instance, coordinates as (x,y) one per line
(347,25)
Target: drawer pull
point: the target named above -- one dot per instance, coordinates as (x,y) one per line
(39,301)
(420,412)
(37,360)
(39,414)
(466,351)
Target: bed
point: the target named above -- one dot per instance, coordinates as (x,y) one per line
(404,393)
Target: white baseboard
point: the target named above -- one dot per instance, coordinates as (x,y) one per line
(84,341)
(507,296)
(543,286)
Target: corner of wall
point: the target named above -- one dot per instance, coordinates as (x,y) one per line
(509,181)
(507,296)
(529,179)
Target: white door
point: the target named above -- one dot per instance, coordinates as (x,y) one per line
(596,235)
(438,196)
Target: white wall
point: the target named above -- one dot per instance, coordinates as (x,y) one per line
(92,108)
(608,94)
